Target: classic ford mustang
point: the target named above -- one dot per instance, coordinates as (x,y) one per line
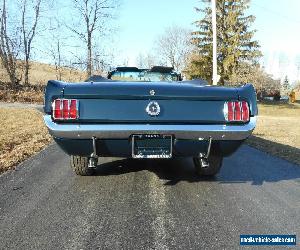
(142,113)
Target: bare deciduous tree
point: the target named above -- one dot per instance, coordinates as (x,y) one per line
(255,74)
(92,13)
(146,61)
(174,46)
(103,58)
(29,32)
(9,47)
(57,58)
(56,46)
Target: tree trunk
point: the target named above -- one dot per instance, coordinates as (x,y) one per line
(59,60)
(221,81)
(89,57)
(13,79)
(26,73)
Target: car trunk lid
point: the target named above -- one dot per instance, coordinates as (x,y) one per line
(148,91)
(127,102)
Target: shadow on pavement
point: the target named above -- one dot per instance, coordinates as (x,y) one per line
(172,171)
(286,152)
(246,165)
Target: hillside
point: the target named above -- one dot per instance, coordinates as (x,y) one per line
(40,73)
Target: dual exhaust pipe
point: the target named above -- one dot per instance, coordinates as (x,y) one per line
(93,160)
(94,157)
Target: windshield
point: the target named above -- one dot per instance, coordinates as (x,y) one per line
(144,76)
(126,76)
(157,76)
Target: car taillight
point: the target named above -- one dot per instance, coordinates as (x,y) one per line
(65,109)
(73,109)
(230,109)
(57,109)
(245,112)
(236,111)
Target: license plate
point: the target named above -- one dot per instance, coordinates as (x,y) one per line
(152,146)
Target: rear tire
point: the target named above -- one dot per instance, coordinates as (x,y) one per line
(79,165)
(215,164)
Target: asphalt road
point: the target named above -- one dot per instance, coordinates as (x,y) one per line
(147,204)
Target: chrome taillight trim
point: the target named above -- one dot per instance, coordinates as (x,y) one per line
(225,111)
(61,109)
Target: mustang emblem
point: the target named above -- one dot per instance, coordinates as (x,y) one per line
(153,109)
(152,92)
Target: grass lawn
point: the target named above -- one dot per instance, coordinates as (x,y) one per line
(278,131)
(22,134)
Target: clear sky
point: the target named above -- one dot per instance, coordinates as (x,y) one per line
(278,31)
(277,23)
(142,21)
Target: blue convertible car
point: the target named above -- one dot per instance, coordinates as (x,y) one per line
(142,113)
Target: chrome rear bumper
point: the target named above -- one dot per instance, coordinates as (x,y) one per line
(123,131)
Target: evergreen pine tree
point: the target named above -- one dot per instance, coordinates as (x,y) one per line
(235,42)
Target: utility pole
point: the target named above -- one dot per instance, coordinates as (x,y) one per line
(214,28)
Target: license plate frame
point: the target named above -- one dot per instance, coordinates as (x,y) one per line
(152,146)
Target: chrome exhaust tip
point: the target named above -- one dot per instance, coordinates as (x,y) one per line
(204,163)
(92,162)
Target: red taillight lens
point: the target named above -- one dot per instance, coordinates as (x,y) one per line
(73,109)
(236,111)
(245,112)
(57,113)
(65,109)
(230,116)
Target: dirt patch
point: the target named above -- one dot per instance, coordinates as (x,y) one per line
(22,134)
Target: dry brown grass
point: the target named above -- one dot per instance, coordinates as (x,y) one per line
(40,73)
(278,131)
(27,94)
(22,134)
